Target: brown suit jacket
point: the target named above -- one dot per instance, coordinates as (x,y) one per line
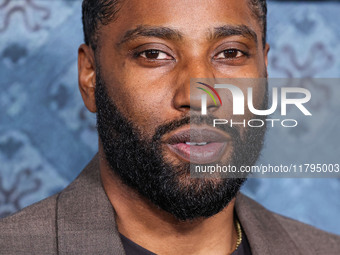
(80,220)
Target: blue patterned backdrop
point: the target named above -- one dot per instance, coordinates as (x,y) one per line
(47,136)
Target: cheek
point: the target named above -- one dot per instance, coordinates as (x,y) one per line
(143,96)
(231,100)
(146,106)
(258,96)
(149,114)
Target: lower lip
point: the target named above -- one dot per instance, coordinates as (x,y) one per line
(204,154)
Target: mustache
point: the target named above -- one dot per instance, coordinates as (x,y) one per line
(197,120)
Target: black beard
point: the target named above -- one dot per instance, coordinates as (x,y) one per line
(139,162)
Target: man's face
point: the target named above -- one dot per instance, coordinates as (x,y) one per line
(145,60)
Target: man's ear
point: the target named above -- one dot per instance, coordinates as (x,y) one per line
(87,76)
(265,52)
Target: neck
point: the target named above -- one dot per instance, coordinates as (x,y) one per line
(158,231)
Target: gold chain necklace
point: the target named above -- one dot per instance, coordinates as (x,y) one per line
(239,233)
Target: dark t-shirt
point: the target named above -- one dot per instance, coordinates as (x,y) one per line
(131,248)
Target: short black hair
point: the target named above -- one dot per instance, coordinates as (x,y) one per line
(102,12)
(95,13)
(259,9)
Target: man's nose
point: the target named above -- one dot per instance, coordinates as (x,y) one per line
(187,96)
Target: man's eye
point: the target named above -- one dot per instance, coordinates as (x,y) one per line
(155,55)
(229,54)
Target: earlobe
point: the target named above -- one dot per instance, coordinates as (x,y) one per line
(266,51)
(87,76)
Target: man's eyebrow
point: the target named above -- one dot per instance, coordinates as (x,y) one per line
(150,31)
(230,30)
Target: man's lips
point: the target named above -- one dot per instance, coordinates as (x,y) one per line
(200,146)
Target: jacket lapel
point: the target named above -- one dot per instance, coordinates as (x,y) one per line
(264,232)
(85,217)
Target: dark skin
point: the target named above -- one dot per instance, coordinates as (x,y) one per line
(148,73)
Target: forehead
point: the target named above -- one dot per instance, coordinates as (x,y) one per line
(194,18)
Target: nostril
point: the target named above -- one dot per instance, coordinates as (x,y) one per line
(213,108)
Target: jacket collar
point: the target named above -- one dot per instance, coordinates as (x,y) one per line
(85,217)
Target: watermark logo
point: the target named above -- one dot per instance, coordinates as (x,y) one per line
(280,98)
(204,96)
(239,99)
